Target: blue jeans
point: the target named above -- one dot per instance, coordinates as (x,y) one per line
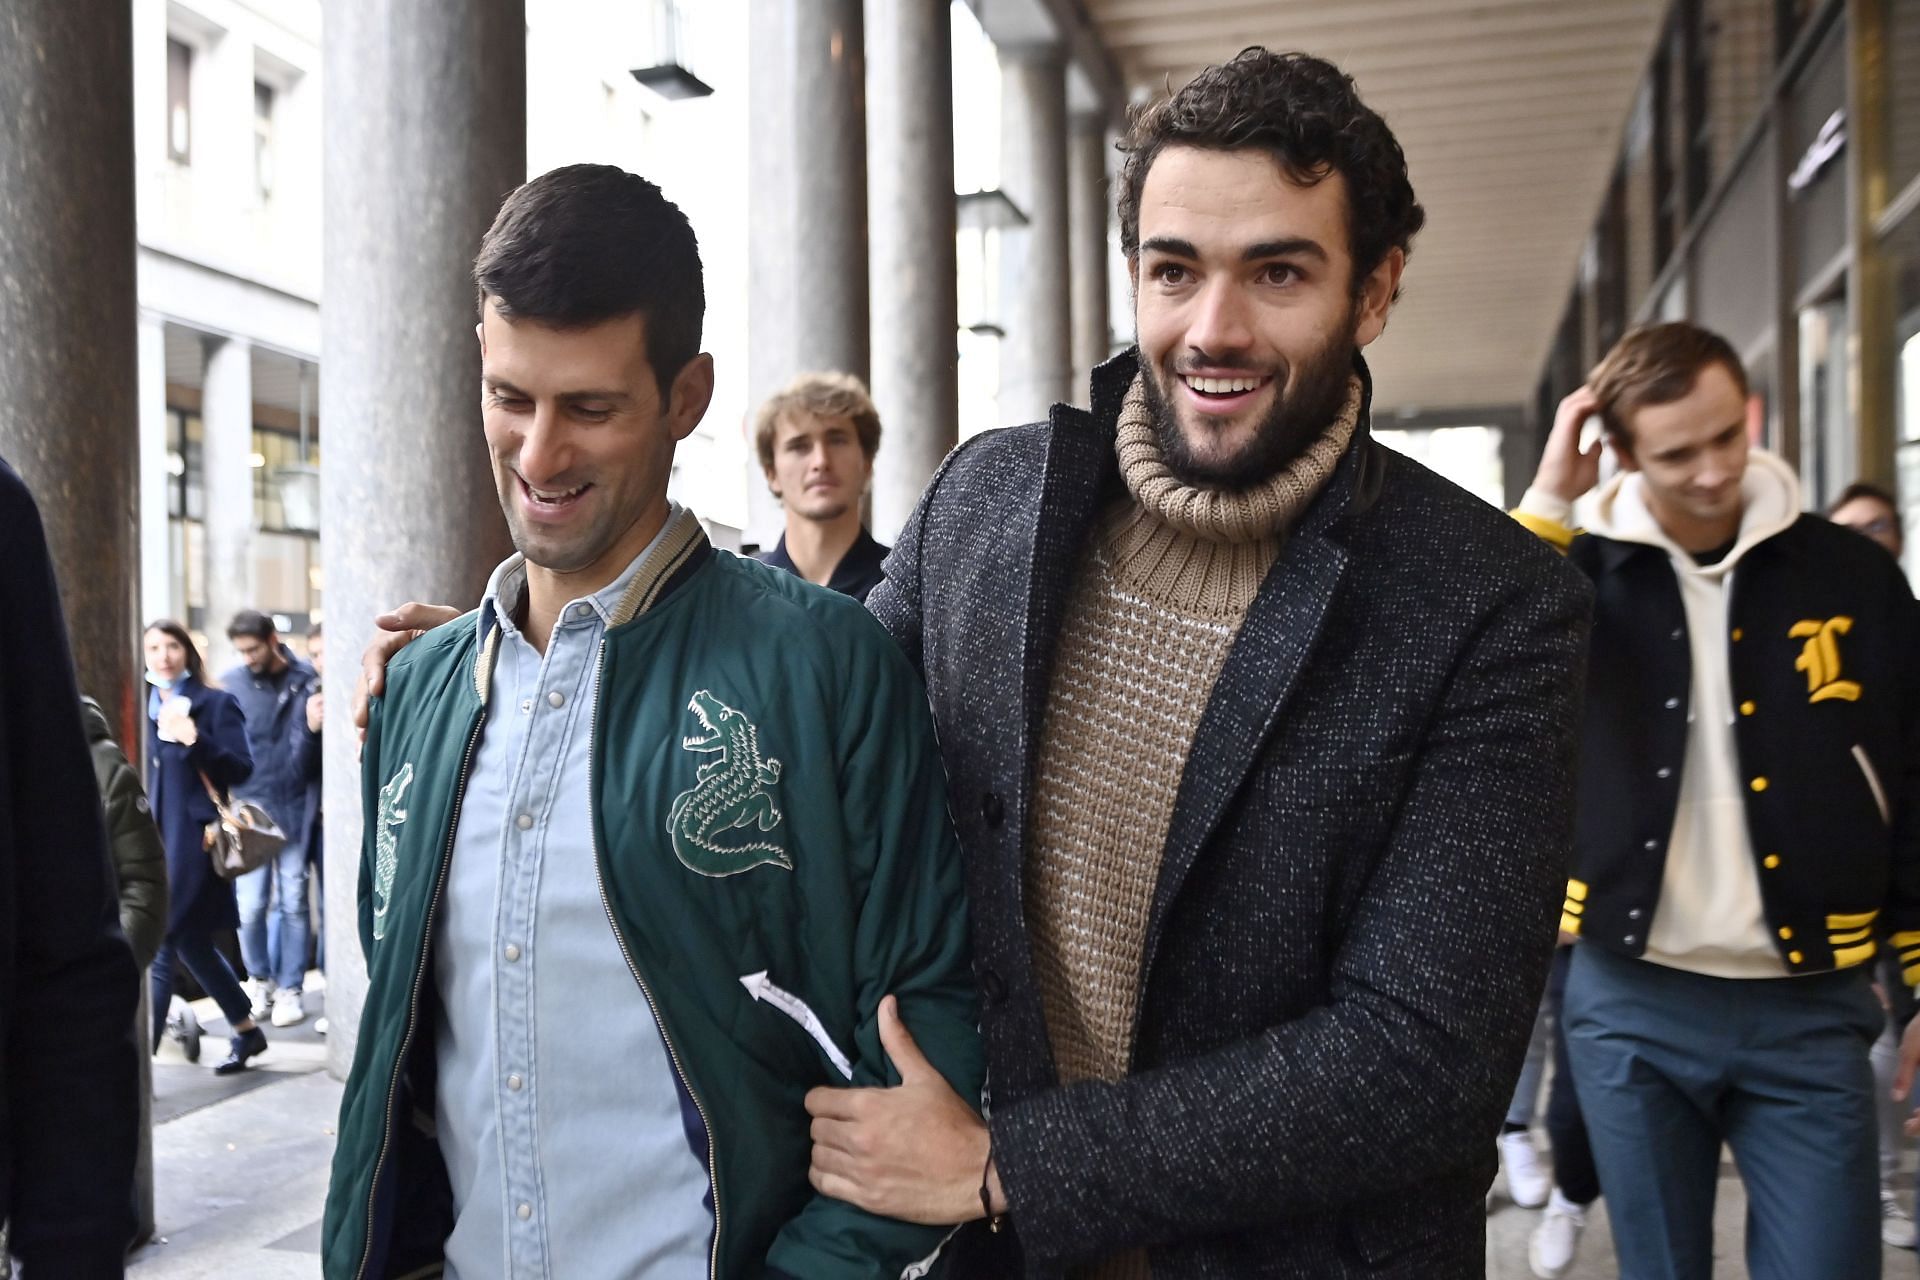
(1669,1065)
(275,948)
(1526,1092)
(208,967)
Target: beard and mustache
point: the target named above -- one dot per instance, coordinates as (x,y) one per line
(1307,397)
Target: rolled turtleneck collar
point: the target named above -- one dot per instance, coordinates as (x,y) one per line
(1227,515)
(1204,552)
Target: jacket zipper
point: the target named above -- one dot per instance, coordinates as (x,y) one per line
(419,977)
(1861,758)
(646,992)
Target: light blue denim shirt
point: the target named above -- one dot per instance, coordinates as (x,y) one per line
(559,1112)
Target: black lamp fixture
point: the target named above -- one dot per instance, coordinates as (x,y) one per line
(668,76)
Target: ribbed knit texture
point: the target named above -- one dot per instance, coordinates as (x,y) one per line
(1153,612)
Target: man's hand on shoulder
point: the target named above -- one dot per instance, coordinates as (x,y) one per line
(1566,470)
(914,1152)
(393,632)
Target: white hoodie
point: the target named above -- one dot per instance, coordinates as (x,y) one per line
(1710,918)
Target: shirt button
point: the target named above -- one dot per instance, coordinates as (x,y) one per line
(512,953)
(580,612)
(526,706)
(525,1211)
(514,1082)
(556,699)
(1663,772)
(524,821)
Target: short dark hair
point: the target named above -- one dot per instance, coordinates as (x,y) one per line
(1658,364)
(253,624)
(591,242)
(1306,114)
(1873,493)
(314,632)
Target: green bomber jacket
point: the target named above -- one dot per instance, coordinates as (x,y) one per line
(768,800)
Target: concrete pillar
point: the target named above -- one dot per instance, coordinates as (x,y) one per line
(1036,356)
(425,123)
(1090,207)
(69,416)
(807,207)
(156,558)
(69,407)
(226,423)
(915,302)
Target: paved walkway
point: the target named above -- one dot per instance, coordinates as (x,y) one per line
(241,1164)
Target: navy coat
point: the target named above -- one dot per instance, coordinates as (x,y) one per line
(69,1083)
(201,901)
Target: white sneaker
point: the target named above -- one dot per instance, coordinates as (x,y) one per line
(320,1025)
(1896,1228)
(287,1010)
(259,996)
(1556,1241)
(1527,1178)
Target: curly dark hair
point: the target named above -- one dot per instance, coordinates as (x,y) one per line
(1306,114)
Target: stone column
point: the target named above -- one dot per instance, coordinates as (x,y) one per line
(807,206)
(69,399)
(156,556)
(1036,357)
(226,424)
(915,302)
(1090,205)
(425,124)
(69,415)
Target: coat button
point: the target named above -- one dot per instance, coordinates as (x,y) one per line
(1634,914)
(1758,784)
(1673,704)
(1786,934)
(1630,939)
(1771,861)
(1794,957)
(1651,845)
(1663,772)
(992,986)
(1747,708)
(1738,635)
(1679,633)
(991,810)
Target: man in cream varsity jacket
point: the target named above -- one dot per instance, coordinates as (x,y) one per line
(1745,831)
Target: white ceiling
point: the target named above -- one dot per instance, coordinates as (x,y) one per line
(1510,113)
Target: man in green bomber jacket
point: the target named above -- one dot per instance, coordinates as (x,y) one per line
(656,840)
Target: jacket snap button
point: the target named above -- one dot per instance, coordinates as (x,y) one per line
(992,810)
(1663,772)
(1630,939)
(1634,914)
(1651,845)
(992,986)
(1673,704)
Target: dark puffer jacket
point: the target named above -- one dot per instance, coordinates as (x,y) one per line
(139,859)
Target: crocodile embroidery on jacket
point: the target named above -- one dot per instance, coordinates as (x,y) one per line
(386,845)
(730,793)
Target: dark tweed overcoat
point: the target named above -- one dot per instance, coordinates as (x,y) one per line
(1358,895)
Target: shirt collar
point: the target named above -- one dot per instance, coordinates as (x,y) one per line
(507,589)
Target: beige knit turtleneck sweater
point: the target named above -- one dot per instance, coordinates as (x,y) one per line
(1157,602)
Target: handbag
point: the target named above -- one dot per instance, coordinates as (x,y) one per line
(242,838)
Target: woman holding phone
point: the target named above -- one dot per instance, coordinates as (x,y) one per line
(197,740)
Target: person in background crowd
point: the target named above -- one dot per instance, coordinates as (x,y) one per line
(69,1070)
(197,742)
(139,859)
(1747,821)
(273,688)
(1868,509)
(307,764)
(817,438)
(1528,1179)
(1554,1245)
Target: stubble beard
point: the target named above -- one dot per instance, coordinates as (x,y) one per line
(1302,410)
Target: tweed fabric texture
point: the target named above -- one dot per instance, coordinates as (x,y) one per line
(1357,892)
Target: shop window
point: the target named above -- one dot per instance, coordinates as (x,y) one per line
(1902,253)
(186,512)
(263,104)
(278,464)
(1828,461)
(1737,256)
(1902,52)
(1736,39)
(1816,180)
(179,102)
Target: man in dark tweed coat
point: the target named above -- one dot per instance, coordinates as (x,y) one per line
(1260,747)
(1260,744)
